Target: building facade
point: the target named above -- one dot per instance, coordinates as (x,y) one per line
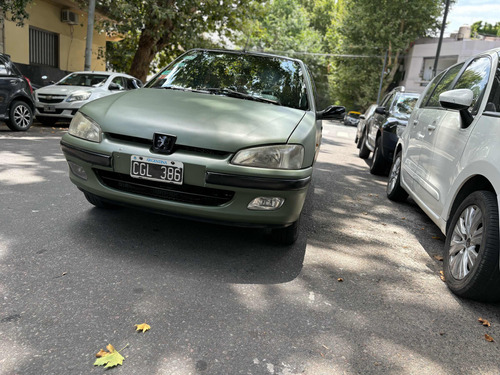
(419,60)
(52,41)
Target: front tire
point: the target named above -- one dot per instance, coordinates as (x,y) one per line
(364,151)
(286,236)
(97,201)
(394,190)
(471,253)
(20,116)
(379,165)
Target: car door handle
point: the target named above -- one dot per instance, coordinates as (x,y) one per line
(13,81)
(431,128)
(420,135)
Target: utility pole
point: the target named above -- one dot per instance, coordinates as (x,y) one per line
(90,34)
(436,60)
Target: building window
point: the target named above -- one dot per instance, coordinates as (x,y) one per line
(44,48)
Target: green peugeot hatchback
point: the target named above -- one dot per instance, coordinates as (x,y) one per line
(223,136)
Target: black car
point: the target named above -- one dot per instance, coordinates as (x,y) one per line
(16,96)
(381,133)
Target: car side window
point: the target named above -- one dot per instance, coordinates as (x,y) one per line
(4,68)
(475,78)
(493,104)
(431,87)
(119,82)
(443,85)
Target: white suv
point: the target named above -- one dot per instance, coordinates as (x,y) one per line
(448,161)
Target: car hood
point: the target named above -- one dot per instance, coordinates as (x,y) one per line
(62,90)
(198,120)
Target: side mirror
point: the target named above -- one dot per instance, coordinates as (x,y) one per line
(113,86)
(461,100)
(332,112)
(380,110)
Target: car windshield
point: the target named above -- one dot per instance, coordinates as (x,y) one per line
(354,114)
(264,78)
(84,79)
(405,104)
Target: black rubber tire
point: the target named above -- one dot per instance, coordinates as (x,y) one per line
(359,140)
(286,236)
(482,283)
(356,140)
(97,201)
(364,151)
(20,116)
(379,165)
(394,190)
(47,121)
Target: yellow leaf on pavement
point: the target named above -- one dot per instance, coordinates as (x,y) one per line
(143,327)
(488,338)
(108,359)
(484,322)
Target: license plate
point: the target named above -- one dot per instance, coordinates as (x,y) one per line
(49,108)
(155,169)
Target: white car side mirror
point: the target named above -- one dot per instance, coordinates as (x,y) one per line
(456,99)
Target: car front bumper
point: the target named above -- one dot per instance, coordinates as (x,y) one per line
(63,110)
(213,189)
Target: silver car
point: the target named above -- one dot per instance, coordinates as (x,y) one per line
(62,100)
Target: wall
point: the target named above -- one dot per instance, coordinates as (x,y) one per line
(452,51)
(46,15)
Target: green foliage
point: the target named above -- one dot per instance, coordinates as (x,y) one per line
(15,10)
(295,28)
(486,28)
(369,28)
(159,30)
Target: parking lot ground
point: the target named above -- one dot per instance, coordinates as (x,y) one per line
(359,293)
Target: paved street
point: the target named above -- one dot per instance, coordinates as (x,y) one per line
(224,300)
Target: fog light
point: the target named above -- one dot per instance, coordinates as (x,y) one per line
(77,170)
(266,203)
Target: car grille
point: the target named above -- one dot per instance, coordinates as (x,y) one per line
(177,147)
(177,193)
(50,99)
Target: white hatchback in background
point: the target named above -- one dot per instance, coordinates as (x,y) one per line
(62,100)
(448,161)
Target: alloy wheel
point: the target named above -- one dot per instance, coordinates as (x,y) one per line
(22,116)
(466,242)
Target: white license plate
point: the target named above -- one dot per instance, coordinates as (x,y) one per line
(49,108)
(155,169)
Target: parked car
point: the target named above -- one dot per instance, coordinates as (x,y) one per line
(61,100)
(223,136)
(16,96)
(448,161)
(352,118)
(363,120)
(381,133)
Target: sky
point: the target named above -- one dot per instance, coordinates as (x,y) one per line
(469,11)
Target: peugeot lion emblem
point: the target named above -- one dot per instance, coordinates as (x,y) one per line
(164,143)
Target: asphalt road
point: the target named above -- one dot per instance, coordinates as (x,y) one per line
(224,300)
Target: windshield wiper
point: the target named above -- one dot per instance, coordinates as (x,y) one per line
(237,94)
(173,87)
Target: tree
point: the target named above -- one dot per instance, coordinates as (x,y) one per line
(368,28)
(168,27)
(16,9)
(486,29)
(295,28)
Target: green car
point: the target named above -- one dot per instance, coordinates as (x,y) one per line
(223,136)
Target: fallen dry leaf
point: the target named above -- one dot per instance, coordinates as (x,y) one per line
(438,257)
(484,322)
(488,338)
(340,279)
(108,359)
(442,276)
(143,327)
(436,237)
(403,218)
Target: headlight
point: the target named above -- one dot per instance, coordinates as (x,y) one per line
(79,95)
(83,127)
(277,157)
